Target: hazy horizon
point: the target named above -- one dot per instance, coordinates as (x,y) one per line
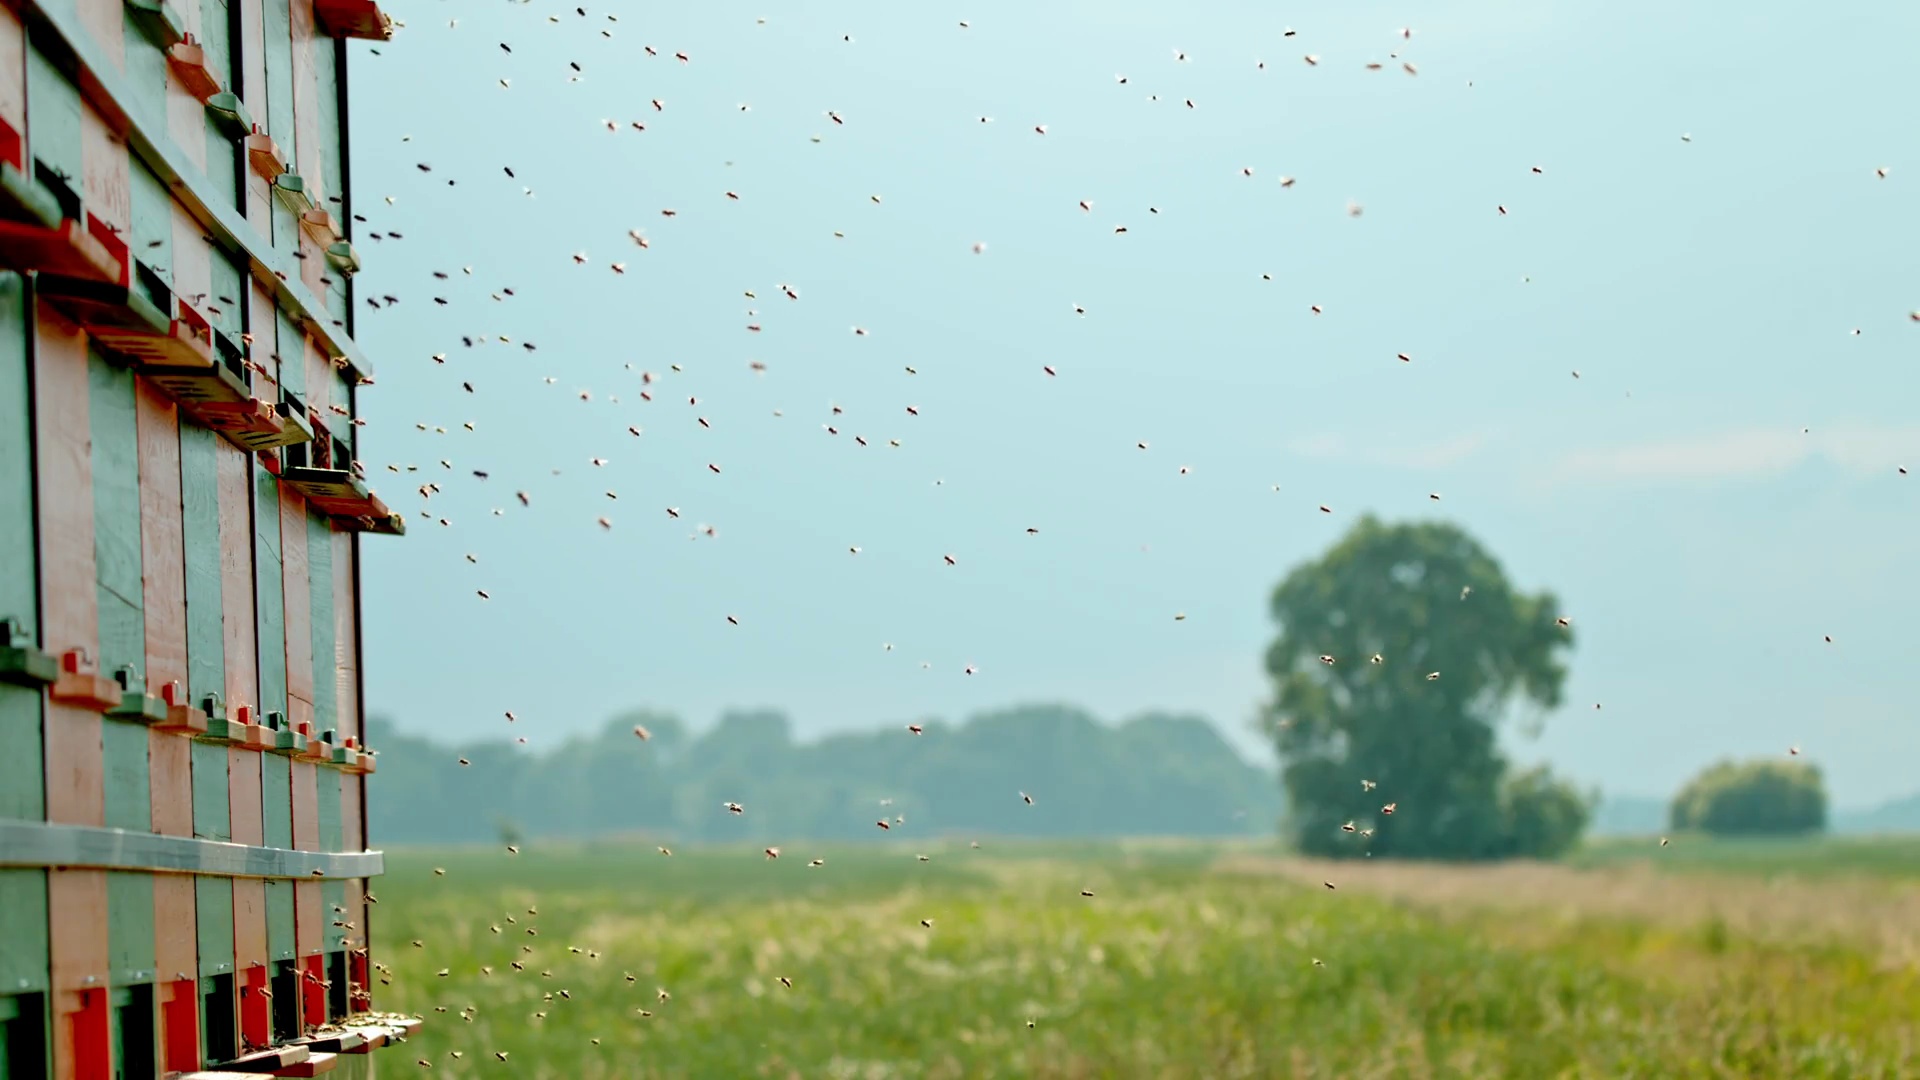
(1711,497)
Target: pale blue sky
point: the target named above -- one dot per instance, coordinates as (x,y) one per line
(1706,292)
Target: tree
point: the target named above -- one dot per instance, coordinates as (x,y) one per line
(1765,797)
(1399,650)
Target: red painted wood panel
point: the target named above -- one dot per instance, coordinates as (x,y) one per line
(236,592)
(107,165)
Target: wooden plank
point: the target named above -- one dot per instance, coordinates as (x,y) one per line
(246,800)
(175,942)
(268,596)
(25,966)
(277,809)
(250,958)
(310,921)
(76,910)
(129,928)
(280,930)
(250,49)
(214,923)
(105,22)
(53,118)
(23,790)
(162,537)
(192,261)
(289,358)
(170,773)
(226,295)
(305,801)
(70,598)
(145,66)
(107,166)
(23,783)
(307,156)
(211,812)
(234,475)
(116,515)
(298,600)
(186,116)
(129,798)
(276,800)
(200,542)
(170,778)
(333,893)
(152,210)
(324,681)
(346,647)
(13,70)
(276,41)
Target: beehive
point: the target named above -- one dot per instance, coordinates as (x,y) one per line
(183,850)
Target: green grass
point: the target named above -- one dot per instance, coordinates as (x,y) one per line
(1808,857)
(1171,969)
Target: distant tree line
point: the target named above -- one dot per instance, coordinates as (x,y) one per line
(1157,774)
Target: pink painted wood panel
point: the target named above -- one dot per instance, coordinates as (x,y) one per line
(234,473)
(107,163)
(13,70)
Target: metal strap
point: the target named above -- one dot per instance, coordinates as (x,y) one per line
(40,843)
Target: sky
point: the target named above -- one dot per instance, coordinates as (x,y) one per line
(1693,223)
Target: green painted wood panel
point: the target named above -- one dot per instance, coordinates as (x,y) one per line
(22,782)
(152,206)
(19,556)
(129,928)
(328,787)
(326,715)
(200,531)
(53,116)
(280,939)
(334,895)
(278,27)
(213,924)
(116,515)
(276,805)
(224,176)
(210,810)
(23,786)
(226,307)
(269,603)
(23,926)
(217,19)
(124,747)
(292,354)
(276,801)
(146,71)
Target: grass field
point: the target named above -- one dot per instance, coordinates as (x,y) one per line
(1187,961)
